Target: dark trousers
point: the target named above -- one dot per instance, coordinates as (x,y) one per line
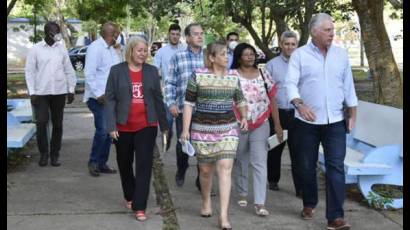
(287,118)
(333,139)
(139,146)
(182,158)
(55,104)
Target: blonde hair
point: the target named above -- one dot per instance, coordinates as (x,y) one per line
(211,50)
(131,44)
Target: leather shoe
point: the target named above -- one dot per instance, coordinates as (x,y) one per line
(93,169)
(307,213)
(273,186)
(54,162)
(338,224)
(169,141)
(108,170)
(43,159)
(299,194)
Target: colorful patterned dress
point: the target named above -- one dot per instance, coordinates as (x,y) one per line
(214,128)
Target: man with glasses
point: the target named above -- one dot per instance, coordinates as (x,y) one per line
(181,67)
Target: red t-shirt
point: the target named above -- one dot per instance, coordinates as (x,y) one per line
(137,115)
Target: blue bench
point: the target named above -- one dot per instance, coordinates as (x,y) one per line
(21,109)
(374,151)
(18,134)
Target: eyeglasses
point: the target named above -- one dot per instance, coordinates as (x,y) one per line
(196,34)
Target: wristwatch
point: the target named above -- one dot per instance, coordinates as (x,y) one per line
(297,104)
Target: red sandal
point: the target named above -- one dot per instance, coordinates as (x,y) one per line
(128,204)
(140,215)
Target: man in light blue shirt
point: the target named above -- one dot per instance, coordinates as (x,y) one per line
(278,67)
(319,83)
(161,61)
(100,56)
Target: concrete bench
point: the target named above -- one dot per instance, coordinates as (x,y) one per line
(18,134)
(374,151)
(21,109)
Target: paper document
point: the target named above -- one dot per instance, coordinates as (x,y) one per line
(273,140)
(164,142)
(187,148)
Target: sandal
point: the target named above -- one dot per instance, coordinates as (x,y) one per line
(242,202)
(140,215)
(260,210)
(206,215)
(128,204)
(229,227)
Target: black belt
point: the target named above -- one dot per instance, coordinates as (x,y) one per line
(287,110)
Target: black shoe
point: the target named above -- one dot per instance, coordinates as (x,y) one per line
(43,159)
(54,162)
(93,169)
(180,179)
(273,186)
(108,170)
(299,194)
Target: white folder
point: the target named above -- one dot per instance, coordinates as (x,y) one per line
(273,140)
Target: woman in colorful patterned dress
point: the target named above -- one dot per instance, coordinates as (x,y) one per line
(259,92)
(214,91)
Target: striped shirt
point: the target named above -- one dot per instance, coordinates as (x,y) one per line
(181,68)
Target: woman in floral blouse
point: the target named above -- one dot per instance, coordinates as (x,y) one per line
(259,92)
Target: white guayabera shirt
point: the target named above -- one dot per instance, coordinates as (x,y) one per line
(48,70)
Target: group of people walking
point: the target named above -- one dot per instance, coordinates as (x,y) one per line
(222,103)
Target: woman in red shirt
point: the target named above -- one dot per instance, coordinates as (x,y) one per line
(134,109)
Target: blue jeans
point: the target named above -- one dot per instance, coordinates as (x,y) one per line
(102,140)
(333,139)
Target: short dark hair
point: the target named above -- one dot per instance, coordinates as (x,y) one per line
(174,27)
(237,54)
(50,24)
(231,33)
(187,31)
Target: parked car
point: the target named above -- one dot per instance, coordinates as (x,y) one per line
(397,37)
(77,57)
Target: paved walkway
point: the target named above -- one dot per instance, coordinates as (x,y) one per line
(68,198)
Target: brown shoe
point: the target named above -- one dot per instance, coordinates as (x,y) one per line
(307,213)
(338,224)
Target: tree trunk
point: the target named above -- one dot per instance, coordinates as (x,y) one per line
(387,84)
(304,19)
(361,53)
(11,6)
(62,24)
(163,196)
(281,25)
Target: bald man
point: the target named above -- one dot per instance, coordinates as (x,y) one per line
(101,55)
